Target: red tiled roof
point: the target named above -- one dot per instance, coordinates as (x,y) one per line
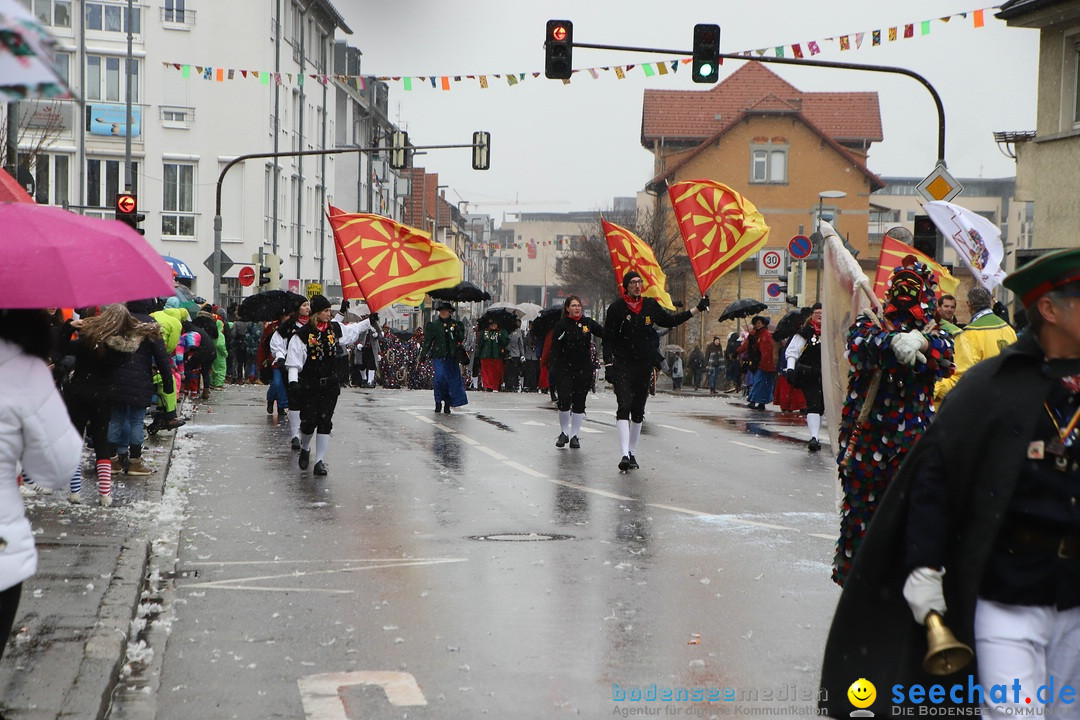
(770,105)
(690,115)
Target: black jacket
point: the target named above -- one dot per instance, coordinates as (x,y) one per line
(630,338)
(981,433)
(571,341)
(134,380)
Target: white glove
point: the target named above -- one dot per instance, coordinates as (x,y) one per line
(923,593)
(907,346)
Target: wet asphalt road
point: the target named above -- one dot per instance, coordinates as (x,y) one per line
(708,567)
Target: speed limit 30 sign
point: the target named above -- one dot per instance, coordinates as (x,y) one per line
(771,262)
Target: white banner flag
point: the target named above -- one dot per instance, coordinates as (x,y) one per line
(974,238)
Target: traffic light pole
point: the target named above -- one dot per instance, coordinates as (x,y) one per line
(294,153)
(807,63)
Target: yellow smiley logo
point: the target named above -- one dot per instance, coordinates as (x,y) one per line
(862,693)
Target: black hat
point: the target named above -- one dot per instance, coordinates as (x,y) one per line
(444,306)
(318,303)
(764,320)
(633,274)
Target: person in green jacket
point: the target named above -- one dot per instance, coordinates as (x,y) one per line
(493,342)
(221,360)
(443,339)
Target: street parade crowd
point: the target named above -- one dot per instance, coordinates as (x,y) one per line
(956,449)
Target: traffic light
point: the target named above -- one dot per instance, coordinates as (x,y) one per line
(925,238)
(558,44)
(270,272)
(706,64)
(481,151)
(127,211)
(399,154)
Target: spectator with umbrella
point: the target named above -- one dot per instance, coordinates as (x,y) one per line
(571,346)
(444,337)
(493,342)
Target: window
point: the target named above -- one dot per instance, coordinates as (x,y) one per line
(51,179)
(174,11)
(1075,81)
(103,183)
(62,63)
(768,164)
(107,80)
(111,18)
(178,201)
(56,13)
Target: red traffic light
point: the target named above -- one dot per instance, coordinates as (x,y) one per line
(126,203)
(558,32)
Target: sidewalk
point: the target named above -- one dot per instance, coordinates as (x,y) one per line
(70,637)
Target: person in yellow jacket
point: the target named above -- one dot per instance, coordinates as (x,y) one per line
(170,318)
(984,337)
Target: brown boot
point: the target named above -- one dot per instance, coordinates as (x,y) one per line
(205,394)
(136,466)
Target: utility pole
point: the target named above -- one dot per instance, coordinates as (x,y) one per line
(129,171)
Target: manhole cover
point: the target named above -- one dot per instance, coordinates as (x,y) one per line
(519,537)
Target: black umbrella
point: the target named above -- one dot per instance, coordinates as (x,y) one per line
(464,291)
(506,320)
(789,324)
(743,307)
(545,321)
(270,305)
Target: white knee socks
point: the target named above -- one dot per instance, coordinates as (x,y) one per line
(813,424)
(635,433)
(321,443)
(294,423)
(623,427)
(564,421)
(575,423)
(305,441)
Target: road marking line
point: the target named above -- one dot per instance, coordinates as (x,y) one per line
(421,418)
(754,447)
(522,468)
(442,427)
(590,430)
(321,697)
(533,422)
(822,536)
(594,491)
(675,508)
(235,583)
(489,451)
(201,563)
(672,427)
(755,523)
(468,440)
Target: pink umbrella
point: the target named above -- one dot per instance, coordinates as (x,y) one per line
(50,257)
(11,190)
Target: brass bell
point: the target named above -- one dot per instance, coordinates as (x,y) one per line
(945,654)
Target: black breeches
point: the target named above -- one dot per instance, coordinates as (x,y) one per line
(317,403)
(91,415)
(572,385)
(631,391)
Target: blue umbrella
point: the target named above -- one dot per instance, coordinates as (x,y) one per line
(179,267)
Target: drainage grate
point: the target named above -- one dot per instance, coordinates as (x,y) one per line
(519,537)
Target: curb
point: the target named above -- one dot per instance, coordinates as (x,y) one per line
(105,651)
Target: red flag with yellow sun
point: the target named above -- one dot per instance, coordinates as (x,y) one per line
(720,227)
(388,261)
(629,252)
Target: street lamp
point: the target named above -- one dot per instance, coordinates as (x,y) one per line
(819,250)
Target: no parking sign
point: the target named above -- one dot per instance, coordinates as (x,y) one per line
(771,262)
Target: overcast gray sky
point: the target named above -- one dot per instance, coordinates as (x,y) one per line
(569,147)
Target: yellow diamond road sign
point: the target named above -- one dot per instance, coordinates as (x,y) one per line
(939,185)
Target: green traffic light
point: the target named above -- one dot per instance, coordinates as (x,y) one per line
(705,70)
